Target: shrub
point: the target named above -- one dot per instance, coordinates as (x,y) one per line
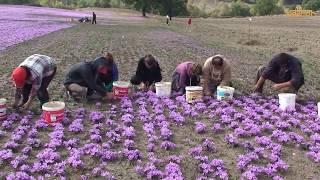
(278,10)
(196,12)
(311,4)
(239,9)
(221,10)
(266,7)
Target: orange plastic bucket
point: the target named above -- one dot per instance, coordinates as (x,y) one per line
(120,89)
(53,112)
(3,109)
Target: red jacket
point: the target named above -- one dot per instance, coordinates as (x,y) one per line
(189,21)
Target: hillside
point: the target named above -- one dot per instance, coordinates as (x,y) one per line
(209,5)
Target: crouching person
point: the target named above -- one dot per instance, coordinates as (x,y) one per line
(32,78)
(186,74)
(216,72)
(89,79)
(147,74)
(284,70)
(108,80)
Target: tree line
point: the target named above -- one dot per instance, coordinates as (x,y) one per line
(179,7)
(162,7)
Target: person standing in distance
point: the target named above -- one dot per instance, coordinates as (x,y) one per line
(94,18)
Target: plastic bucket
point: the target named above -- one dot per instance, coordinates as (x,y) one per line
(287,101)
(193,93)
(3,109)
(163,89)
(120,89)
(53,112)
(225,93)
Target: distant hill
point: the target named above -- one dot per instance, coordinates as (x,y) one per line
(209,5)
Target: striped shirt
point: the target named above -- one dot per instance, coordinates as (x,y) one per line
(40,66)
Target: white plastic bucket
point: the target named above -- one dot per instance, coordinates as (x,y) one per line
(287,101)
(120,89)
(53,112)
(193,93)
(3,109)
(225,93)
(163,89)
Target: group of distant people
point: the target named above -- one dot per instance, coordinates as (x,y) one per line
(86,19)
(94,79)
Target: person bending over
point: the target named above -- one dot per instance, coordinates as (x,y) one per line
(32,78)
(216,72)
(186,74)
(88,79)
(147,74)
(284,70)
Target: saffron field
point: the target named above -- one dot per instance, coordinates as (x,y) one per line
(146,137)
(21,23)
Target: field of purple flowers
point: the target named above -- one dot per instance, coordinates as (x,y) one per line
(162,138)
(21,23)
(145,137)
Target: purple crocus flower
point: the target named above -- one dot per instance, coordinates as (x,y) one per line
(196,151)
(200,127)
(208,145)
(167,145)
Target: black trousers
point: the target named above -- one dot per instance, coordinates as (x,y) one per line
(135,80)
(42,93)
(94,21)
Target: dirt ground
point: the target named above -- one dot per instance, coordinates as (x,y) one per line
(128,39)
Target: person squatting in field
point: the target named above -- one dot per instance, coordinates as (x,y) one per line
(32,78)
(92,79)
(147,74)
(186,74)
(284,70)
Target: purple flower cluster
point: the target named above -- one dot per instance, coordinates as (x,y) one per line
(74,160)
(200,127)
(18,175)
(95,133)
(132,154)
(91,149)
(108,155)
(172,171)
(253,126)
(168,145)
(18,161)
(213,169)
(5,154)
(209,146)
(33,22)
(56,137)
(196,151)
(48,156)
(76,126)
(96,116)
